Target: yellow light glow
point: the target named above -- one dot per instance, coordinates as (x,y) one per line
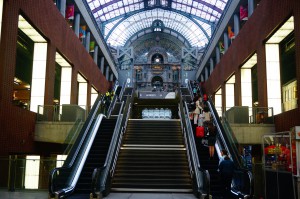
(29,30)
(282,32)
(251,62)
(61,61)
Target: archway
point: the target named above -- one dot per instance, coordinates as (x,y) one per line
(157,81)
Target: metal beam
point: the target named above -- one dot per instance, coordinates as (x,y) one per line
(139,11)
(129,14)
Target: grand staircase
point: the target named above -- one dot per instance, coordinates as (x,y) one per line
(152,158)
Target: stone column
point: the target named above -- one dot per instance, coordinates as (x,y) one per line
(87,41)
(77,24)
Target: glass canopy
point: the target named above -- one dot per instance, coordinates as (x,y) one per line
(120,20)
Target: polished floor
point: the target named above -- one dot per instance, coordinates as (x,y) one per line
(4,194)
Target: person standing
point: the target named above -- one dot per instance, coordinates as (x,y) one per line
(211,139)
(197,110)
(226,169)
(207,116)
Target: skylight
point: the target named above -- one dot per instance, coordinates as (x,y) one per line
(122,19)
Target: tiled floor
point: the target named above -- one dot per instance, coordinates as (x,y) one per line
(4,194)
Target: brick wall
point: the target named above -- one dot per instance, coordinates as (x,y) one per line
(17,124)
(267,16)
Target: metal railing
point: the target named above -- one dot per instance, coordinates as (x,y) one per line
(249,115)
(242,178)
(102,176)
(62,113)
(201,176)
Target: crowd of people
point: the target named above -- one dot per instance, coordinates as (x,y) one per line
(201,116)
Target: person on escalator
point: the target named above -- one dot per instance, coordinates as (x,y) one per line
(198,110)
(207,116)
(211,139)
(226,169)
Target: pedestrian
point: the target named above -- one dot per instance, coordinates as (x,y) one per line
(211,139)
(207,116)
(198,110)
(226,169)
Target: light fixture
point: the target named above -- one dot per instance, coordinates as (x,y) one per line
(30,31)
(282,32)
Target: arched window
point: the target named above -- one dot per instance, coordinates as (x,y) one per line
(157,26)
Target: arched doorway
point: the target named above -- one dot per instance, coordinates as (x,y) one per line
(157,81)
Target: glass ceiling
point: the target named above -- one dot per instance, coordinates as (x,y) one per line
(123,19)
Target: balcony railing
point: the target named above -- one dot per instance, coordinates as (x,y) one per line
(62,113)
(250,115)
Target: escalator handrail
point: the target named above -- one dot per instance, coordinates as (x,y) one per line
(191,147)
(84,132)
(122,91)
(102,173)
(228,146)
(222,134)
(77,167)
(190,89)
(77,145)
(194,152)
(112,106)
(114,139)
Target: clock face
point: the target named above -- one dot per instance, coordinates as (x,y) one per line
(157,60)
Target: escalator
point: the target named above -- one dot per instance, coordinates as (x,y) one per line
(96,157)
(150,155)
(152,158)
(89,151)
(242,181)
(210,164)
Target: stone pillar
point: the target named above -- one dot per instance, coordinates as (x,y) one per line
(217,55)
(87,41)
(102,65)
(250,7)
(96,55)
(211,63)
(62,7)
(225,42)
(107,73)
(77,24)
(236,24)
